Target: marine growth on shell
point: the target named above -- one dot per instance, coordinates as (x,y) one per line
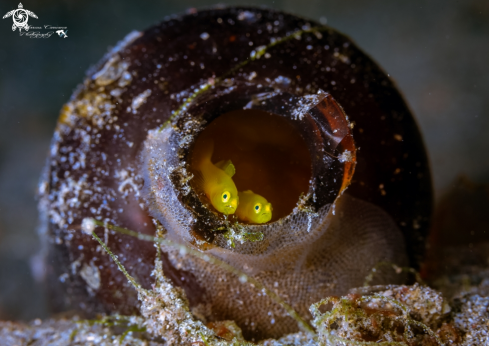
(264,139)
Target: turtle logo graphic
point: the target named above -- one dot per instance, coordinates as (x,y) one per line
(20,17)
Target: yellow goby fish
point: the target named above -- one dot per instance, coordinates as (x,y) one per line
(215,179)
(253,208)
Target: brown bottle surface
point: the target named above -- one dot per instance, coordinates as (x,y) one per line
(97,157)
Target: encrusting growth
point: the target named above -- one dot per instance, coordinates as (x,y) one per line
(272,91)
(389,316)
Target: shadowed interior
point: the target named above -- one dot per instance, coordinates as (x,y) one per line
(270,156)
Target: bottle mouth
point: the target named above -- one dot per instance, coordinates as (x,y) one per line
(269,155)
(295,151)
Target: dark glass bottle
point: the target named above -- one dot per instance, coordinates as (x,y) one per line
(284,84)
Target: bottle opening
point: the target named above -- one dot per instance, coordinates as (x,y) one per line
(269,155)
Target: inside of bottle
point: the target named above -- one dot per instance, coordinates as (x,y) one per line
(270,156)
